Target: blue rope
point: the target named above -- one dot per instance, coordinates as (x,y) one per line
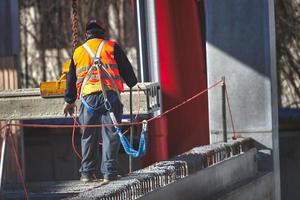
(128,148)
(89,108)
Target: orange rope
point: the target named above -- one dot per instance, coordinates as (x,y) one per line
(73,135)
(3,127)
(77,125)
(18,163)
(186,101)
(121,124)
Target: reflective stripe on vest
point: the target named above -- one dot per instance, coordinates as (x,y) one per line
(85,69)
(95,78)
(83,61)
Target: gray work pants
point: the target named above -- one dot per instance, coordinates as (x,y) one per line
(91,136)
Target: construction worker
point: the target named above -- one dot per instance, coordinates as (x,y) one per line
(99,95)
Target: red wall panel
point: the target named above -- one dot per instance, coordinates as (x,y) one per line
(182,75)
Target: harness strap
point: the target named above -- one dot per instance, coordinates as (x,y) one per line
(89,50)
(99,50)
(96,64)
(91,109)
(111,79)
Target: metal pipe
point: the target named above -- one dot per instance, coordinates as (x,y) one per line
(3,158)
(153,57)
(141,44)
(224,109)
(153,60)
(131,128)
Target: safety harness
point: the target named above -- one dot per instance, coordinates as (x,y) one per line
(100,67)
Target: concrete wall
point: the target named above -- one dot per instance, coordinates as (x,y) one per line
(241,46)
(49,155)
(259,188)
(233,156)
(290,163)
(209,181)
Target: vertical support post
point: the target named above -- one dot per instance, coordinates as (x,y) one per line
(142,44)
(224,110)
(3,157)
(131,127)
(152,48)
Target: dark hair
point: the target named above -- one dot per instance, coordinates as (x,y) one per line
(95,24)
(95,31)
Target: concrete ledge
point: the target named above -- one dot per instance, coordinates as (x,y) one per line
(220,160)
(259,188)
(208,181)
(28,104)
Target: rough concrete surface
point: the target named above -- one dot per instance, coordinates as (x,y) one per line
(240,45)
(161,174)
(28,104)
(237,155)
(206,182)
(259,188)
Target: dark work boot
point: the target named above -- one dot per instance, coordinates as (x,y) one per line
(85,178)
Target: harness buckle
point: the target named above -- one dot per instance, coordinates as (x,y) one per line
(107,105)
(145,126)
(96,61)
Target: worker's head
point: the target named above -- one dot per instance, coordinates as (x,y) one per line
(95,27)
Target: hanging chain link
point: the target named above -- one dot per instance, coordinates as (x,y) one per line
(74,24)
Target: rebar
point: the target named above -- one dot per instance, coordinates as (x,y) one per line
(160,174)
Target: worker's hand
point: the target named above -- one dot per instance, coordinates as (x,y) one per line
(69,108)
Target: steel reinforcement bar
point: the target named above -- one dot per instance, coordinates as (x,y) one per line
(160,174)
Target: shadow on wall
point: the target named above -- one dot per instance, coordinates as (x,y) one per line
(238,47)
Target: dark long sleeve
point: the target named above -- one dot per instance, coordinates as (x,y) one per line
(125,67)
(71,90)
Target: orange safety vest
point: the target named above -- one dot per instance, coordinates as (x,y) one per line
(83,62)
